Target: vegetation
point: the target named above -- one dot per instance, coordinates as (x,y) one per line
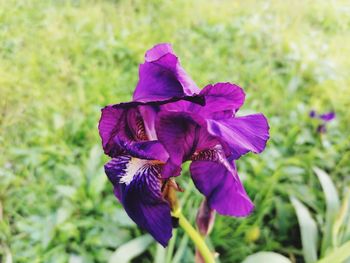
(61,61)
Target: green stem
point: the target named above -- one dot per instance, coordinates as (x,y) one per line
(195,236)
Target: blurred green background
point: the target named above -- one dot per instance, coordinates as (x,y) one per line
(61,61)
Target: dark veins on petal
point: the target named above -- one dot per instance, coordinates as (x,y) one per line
(144,203)
(137,185)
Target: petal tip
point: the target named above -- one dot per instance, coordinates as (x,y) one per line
(158,51)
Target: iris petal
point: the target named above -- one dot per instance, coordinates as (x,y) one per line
(122,130)
(161,77)
(185,137)
(241,134)
(219,182)
(137,185)
(221,100)
(181,134)
(114,170)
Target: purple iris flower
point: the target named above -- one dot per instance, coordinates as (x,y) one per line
(128,136)
(167,124)
(325,118)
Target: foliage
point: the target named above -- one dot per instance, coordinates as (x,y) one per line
(60,61)
(332,249)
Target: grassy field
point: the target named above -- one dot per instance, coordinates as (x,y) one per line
(61,61)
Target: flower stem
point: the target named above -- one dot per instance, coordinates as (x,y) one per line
(195,236)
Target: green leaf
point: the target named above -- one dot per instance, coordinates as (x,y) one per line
(332,205)
(66,190)
(122,218)
(264,256)
(130,250)
(180,252)
(338,255)
(8,255)
(160,254)
(339,221)
(308,229)
(93,162)
(97,183)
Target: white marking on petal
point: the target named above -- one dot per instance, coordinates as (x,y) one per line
(132,168)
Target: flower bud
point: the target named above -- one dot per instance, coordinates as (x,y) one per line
(205,218)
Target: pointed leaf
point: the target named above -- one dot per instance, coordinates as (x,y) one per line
(332,206)
(130,250)
(338,255)
(180,252)
(93,162)
(308,230)
(160,254)
(339,221)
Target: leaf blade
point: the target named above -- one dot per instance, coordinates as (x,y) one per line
(131,249)
(338,255)
(332,206)
(308,230)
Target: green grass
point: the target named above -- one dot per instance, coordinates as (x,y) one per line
(61,61)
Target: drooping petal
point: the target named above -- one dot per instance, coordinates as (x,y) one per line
(181,134)
(161,77)
(115,169)
(137,185)
(241,134)
(219,182)
(122,130)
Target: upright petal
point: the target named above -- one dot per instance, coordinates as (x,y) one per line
(241,134)
(122,130)
(161,77)
(221,98)
(158,51)
(149,115)
(219,182)
(137,186)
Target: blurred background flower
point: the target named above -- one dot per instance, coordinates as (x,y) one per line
(323,119)
(61,61)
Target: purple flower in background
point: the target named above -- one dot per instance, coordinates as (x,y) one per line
(170,121)
(325,118)
(329,116)
(322,128)
(312,114)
